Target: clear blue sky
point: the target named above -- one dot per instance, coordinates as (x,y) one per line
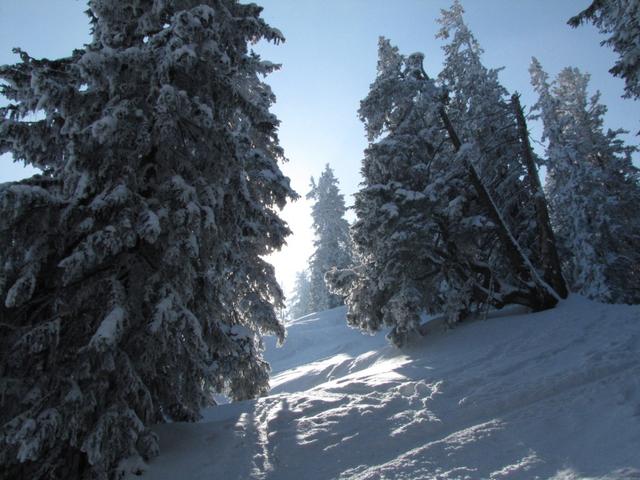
(329,60)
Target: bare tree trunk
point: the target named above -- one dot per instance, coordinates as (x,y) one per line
(548,251)
(542,295)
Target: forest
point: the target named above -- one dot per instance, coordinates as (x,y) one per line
(135,278)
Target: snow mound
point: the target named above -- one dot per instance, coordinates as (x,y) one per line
(554,395)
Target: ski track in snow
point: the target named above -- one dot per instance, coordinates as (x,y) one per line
(553,395)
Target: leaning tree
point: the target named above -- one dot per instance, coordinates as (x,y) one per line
(431,232)
(482,112)
(132,277)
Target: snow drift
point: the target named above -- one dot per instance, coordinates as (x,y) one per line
(554,394)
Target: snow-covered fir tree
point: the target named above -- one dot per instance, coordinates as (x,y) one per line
(424,214)
(618,20)
(482,112)
(300,303)
(396,226)
(478,107)
(132,277)
(592,187)
(332,242)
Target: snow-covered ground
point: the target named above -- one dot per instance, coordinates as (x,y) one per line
(548,395)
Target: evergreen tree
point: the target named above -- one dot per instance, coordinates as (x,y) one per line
(592,187)
(480,108)
(396,230)
(332,244)
(131,272)
(619,20)
(301,300)
(425,216)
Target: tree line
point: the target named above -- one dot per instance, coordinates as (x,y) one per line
(452,218)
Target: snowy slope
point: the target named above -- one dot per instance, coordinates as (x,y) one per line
(548,395)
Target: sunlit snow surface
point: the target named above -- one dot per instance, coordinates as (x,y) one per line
(548,395)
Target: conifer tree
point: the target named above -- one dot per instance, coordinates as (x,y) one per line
(592,187)
(478,106)
(131,272)
(425,216)
(619,20)
(300,304)
(332,244)
(482,112)
(396,230)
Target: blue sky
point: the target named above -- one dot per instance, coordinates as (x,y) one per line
(329,60)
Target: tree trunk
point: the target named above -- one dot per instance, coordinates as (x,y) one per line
(548,251)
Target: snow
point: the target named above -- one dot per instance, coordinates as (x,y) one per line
(110,328)
(554,394)
(390,209)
